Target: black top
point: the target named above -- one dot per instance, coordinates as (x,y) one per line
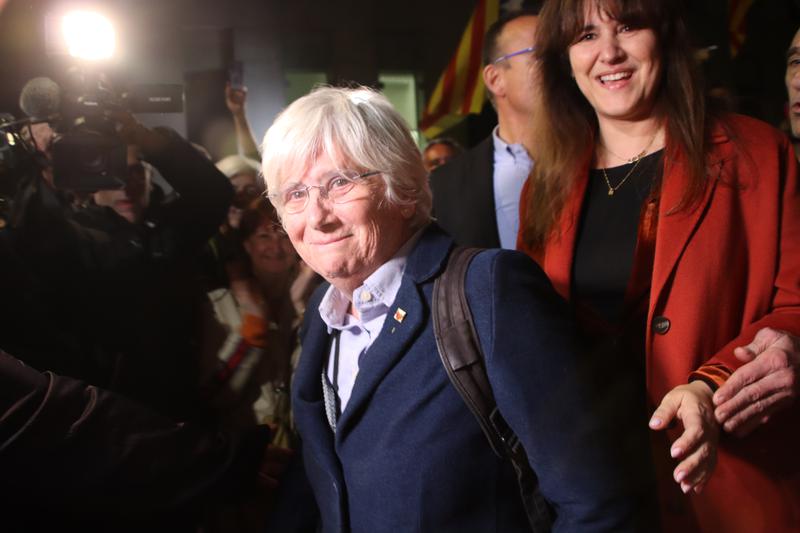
(608,233)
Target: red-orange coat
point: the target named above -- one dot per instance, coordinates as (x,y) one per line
(721,272)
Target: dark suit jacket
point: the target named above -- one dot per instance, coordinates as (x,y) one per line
(463,197)
(409,456)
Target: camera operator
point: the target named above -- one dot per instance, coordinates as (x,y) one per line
(116,280)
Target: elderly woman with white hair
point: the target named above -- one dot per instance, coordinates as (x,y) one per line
(388,443)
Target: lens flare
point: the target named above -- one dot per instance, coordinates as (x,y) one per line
(89,35)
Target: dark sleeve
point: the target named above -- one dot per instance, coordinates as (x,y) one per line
(69,445)
(205,194)
(552,398)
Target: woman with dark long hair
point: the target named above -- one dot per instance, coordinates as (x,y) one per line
(673,230)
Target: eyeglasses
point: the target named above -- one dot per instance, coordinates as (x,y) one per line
(512,54)
(337,189)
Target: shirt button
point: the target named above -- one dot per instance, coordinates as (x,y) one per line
(661,325)
(366,296)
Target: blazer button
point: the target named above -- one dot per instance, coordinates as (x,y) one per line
(661,325)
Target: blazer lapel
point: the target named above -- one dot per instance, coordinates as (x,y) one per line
(308,404)
(676,228)
(397,334)
(387,349)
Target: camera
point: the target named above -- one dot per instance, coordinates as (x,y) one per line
(88,155)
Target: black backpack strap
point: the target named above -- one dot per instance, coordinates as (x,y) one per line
(463,360)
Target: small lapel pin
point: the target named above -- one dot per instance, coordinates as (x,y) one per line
(399,315)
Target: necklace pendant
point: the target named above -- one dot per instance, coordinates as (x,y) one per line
(611,192)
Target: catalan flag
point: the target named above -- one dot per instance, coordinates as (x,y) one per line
(737,16)
(460,90)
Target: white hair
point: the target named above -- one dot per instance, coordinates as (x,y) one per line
(353,127)
(233,165)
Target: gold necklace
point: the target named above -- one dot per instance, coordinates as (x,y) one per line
(635,160)
(613,189)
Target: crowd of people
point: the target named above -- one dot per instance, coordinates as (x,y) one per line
(243,355)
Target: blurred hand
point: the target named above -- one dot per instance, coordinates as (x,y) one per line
(42,135)
(696,448)
(235,99)
(273,465)
(767,382)
(131,131)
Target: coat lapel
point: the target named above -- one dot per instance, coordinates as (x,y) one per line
(396,336)
(387,349)
(308,404)
(676,228)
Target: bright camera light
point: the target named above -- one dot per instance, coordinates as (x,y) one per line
(88,35)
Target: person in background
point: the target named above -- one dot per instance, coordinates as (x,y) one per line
(673,230)
(792,80)
(258,315)
(243,173)
(251,345)
(476,196)
(114,284)
(439,151)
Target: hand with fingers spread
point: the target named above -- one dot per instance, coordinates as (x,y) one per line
(767,382)
(696,448)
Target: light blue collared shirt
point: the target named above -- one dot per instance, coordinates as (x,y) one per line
(372,301)
(512,164)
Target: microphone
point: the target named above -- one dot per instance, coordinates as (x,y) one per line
(40,98)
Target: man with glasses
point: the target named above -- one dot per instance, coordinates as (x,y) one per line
(486,181)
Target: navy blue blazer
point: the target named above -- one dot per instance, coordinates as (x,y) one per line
(408,455)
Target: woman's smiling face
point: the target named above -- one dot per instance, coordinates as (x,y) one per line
(617,67)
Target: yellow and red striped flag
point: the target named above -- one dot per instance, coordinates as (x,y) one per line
(460,90)
(737,16)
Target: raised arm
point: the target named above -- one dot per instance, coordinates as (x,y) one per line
(236,100)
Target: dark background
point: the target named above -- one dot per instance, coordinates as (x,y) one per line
(192,42)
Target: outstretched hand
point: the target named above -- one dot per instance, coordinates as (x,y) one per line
(696,448)
(767,382)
